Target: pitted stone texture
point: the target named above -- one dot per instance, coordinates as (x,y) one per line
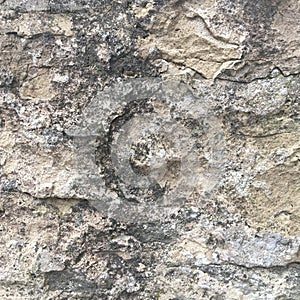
(31,24)
(182,36)
(272,37)
(26,5)
(233,40)
(163,149)
(239,239)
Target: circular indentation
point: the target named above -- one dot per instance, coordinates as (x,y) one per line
(152,146)
(153,155)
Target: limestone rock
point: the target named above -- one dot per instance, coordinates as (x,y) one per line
(149,150)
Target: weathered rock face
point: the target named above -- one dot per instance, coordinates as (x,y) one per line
(149,150)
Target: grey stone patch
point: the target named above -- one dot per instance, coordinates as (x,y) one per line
(6,78)
(151,159)
(68,6)
(231,281)
(265,96)
(69,280)
(27,5)
(9,186)
(270,249)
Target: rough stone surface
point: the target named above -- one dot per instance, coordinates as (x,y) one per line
(149,149)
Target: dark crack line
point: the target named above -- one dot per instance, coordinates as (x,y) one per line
(289,265)
(258,78)
(264,136)
(217,78)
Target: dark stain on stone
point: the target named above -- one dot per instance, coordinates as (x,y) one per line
(152,232)
(103,152)
(69,280)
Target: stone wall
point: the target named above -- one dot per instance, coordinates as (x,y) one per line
(149,149)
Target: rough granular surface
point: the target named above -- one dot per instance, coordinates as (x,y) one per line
(149,150)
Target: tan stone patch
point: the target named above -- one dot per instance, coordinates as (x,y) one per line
(7,141)
(38,87)
(274,205)
(141,12)
(62,24)
(30,24)
(273,200)
(183,37)
(64,205)
(286,27)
